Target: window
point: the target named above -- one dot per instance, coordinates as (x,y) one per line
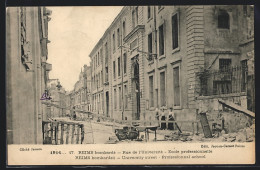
(102,101)
(135,17)
(93,64)
(222,84)
(101,77)
(123,29)
(175,32)
(244,75)
(151,97)
(245,10)
(114,69)
(125,63)
(224,64)
(118,37)
(115,101)
(120,98)
(150,45)
(161,40)
(119,66)
(98,62)
(101,56)
(176,86)
(162,89)
(106,54)
(98,80)
(114,45)
(223,19)
(106,76)
(126,98)
(99,102)
(149,12)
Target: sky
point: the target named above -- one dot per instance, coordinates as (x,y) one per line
(73,32)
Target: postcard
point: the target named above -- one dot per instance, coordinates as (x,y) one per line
(130,85)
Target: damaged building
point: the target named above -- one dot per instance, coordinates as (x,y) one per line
(27,72)
(189,58)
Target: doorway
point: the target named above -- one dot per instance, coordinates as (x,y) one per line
(107,104)
(136,88)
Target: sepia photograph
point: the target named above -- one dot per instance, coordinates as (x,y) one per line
(105,85)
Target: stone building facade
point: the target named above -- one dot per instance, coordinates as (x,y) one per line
(114,63)
(27,72)
(163,50)
(58,97)
(80,96)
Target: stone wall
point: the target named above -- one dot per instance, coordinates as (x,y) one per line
(233,121)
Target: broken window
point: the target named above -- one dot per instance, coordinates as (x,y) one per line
(135,17)
(114,69)
(222,83)
(244,75)
(124,29)
(114,45)
(151,97)
(106,76)
(106,54)
(126,98)
(223,19)
(118,37)
(125,63)
(149,12)
(224,64)
(176,86)
(119,66)
(162,89)
(120,98)
(115,101)
(161,40)
(150,46)
(175,32)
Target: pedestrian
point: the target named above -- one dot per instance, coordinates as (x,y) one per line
(74,113)
(171,118)
(163,124)
(157,117)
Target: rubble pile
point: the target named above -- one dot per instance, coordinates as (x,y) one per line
(112,140)
(243,135)
(177,136)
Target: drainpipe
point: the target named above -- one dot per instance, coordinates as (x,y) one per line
(155,51)
(122,89)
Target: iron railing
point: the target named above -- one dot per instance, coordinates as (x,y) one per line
(223,81)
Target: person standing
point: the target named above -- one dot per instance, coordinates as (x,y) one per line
(163,117)
(171,118)
(157,117)
(74,113)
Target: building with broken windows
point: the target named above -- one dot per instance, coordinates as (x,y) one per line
(27,72)
(180,57)
(117,67)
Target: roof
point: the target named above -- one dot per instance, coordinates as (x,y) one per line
(107,30)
